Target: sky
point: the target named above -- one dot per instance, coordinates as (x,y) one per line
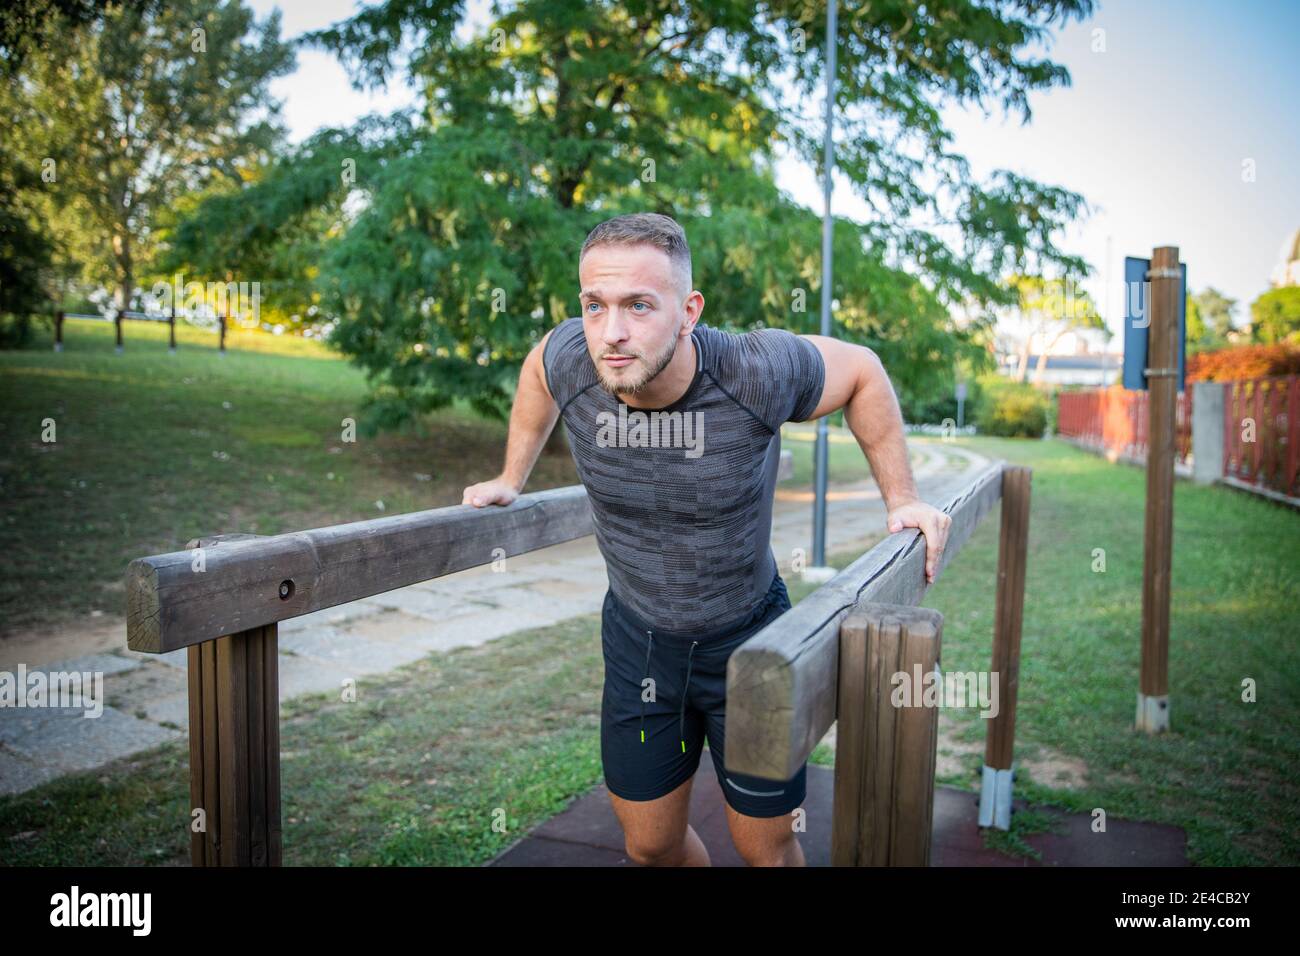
(1180,126)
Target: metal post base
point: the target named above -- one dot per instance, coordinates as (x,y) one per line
(1152,713)
(995,799)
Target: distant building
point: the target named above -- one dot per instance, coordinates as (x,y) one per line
(1287,271)
(1093,369)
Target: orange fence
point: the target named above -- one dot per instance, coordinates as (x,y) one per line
(1261,432)
(1115,419)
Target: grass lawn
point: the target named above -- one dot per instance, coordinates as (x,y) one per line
(420,767)
(153,449)
(1229,771)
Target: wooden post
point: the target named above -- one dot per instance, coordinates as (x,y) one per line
(884,754)
(235,749)
(221,319)
(117,327)
(999,749)
(1162,387)
(171,329)
(58,330)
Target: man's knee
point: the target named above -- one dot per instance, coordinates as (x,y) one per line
(766,841)
(657,850)
(770,850)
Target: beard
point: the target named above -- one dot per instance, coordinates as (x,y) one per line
(634,383)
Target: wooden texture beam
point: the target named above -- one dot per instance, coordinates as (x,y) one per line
(251,581)
(235,750)
(1013,549)
(884,754)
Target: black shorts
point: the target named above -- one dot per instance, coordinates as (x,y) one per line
(652,734)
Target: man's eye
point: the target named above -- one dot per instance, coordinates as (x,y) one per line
(591,304)
(641,303)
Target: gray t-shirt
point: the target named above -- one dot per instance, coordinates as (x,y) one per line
(682,496)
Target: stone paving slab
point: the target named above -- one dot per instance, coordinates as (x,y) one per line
(65,739)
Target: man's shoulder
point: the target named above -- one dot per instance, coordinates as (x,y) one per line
(775,374)
(747,353)
(565,361)
(561,339)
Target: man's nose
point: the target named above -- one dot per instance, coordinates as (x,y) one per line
(615,330)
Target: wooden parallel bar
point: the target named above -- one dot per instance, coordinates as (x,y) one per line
(249,581)
(781,683)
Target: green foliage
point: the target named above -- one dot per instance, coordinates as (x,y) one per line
(1049,308)
(454,248)
(1010,409)
(1275,316)
(15,330)
(27,24)
(1209,320)
(25,251)
(127,111)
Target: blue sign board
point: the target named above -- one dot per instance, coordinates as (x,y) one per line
(1137,322)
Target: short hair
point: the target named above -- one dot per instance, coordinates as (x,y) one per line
(650,228)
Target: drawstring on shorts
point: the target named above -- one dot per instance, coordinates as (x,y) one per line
(649,647)
(681,717)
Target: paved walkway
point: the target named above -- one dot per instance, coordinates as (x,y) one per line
(145,695)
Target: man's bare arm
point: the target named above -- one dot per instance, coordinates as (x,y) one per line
(532,417)
(857,383)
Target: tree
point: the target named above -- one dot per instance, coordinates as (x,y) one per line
(27,24)
(452,247)
(27,251)
(1275,316)
(1209,320)
(136,108)
(1048,310)
(25,254)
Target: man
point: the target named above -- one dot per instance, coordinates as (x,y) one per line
(675,432)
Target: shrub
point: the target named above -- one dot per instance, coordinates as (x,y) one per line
(1242,362)
(1010,409)
(15,331)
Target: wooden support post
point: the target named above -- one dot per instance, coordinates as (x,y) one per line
(235,750)
(221,320)
(1162,388)
(999,750)
(171,329)
(58,331)
(884,754)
